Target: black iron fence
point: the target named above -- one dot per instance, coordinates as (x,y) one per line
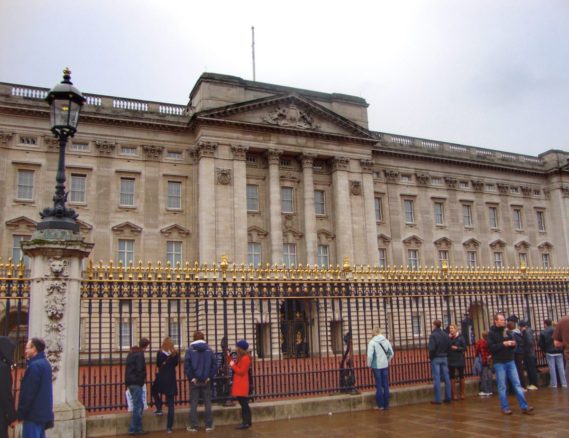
(308,328)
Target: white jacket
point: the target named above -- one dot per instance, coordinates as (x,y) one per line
(376,357)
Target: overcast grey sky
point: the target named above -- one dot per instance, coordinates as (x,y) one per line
(487,73)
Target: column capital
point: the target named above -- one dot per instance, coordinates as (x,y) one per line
(367,165)
(239,151)
(206,149)
(307,160)
(340,163)
(274,156)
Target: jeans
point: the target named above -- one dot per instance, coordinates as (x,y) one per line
(33,430)
(381,376)
(137,408)
(486,379)
(245,410)
(197,391)
(439,365)
(169,402)
(555,364)
(508,370)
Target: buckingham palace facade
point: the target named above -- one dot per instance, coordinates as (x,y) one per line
(270,174)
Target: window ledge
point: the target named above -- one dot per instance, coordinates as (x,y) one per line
(24,201)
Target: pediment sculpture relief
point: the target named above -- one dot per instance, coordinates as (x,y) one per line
(290,116)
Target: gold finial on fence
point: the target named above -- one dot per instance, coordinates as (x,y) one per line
(346,265)
(444,266)
(223,265)
(523,267)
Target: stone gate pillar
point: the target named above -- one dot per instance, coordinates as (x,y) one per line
(54,315)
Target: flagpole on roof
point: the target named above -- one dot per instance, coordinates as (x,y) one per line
(253,49)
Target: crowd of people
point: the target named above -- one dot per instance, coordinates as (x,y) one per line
(505,350)
(200,367)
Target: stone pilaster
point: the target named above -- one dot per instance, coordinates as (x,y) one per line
(240,202)
(206,202)
(342,208)
(275,219)
(369,211)
(309,210)
(54,315)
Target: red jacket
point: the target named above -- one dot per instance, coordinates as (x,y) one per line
(481,348)
(240,367)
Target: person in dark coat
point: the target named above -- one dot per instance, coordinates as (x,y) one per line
(135,379)
(35,406)
(530,360)
(200,366)
(165,383)
(456,362)
(439,344)
(553,355)
(7,411)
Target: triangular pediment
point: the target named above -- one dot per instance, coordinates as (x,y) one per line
(22,223)
(545,246)
(127,227)
(498,243)
(175,228)
(471,243)
(383,239)
(522,244)
(290,112)
(443,242)
(255,231)
(413,240)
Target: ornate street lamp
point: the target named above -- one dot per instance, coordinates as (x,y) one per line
(65,101)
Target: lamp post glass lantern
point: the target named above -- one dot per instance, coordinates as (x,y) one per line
(65,105)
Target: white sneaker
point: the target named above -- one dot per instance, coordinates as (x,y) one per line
(532,387)
(209,429)
(489,394)
(191,429)
(481,394)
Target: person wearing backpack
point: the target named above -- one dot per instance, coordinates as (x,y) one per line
(379,354)
(200,366)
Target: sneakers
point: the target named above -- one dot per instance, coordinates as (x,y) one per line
(168,430)
(243,426)
(158,413)
(532,387)
(484,394)
(507,411)
(209,429)
(528,410)
(191,429)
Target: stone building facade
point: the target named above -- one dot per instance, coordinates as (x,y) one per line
(271,174)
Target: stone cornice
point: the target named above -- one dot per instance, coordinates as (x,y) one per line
(206,149)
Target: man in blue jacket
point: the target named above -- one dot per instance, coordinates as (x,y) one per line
(35,407)
(200,367)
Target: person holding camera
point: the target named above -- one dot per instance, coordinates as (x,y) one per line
(200,367)
(501,346)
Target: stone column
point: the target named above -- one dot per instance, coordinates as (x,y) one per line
(309,210)
(342,209)
(240,202)
(276,227)
(369,212)
(206,202)
(54,315)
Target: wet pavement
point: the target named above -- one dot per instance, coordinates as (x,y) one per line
(473,417)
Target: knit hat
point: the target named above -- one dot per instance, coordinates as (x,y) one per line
(243,344)
(523,323)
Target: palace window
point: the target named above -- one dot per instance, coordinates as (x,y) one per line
(409,207)
(443,255)
(498,260)
(25,189)
(382,262)
(378,210)
(128,150)
(546,260)
(323,256)
(28,140)
(252,197)
(289,254)
(493,217)
(174,195)
(17,252)
(174,155)
(125,325)
(413,258)
(471,259)
(417,324)
(174,252)
(77,192)
(287,200)
(540,215)
(126,192)
(439,213)
(517,216)
(523,259)
(79,147)
(254,253)
(125,253)
(320,202)
(467,214)
(174,321)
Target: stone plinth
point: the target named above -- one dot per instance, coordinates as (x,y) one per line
(54,315)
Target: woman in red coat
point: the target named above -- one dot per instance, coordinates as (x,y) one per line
(240,386)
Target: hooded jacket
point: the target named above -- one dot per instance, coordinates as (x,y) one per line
(7,411)
(135,369)
(200,362)
(36,396)
(376,355)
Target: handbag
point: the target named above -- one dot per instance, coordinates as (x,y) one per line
(388,353)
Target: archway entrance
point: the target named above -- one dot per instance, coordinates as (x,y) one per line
(477,313)
(15,326)
(295,328)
